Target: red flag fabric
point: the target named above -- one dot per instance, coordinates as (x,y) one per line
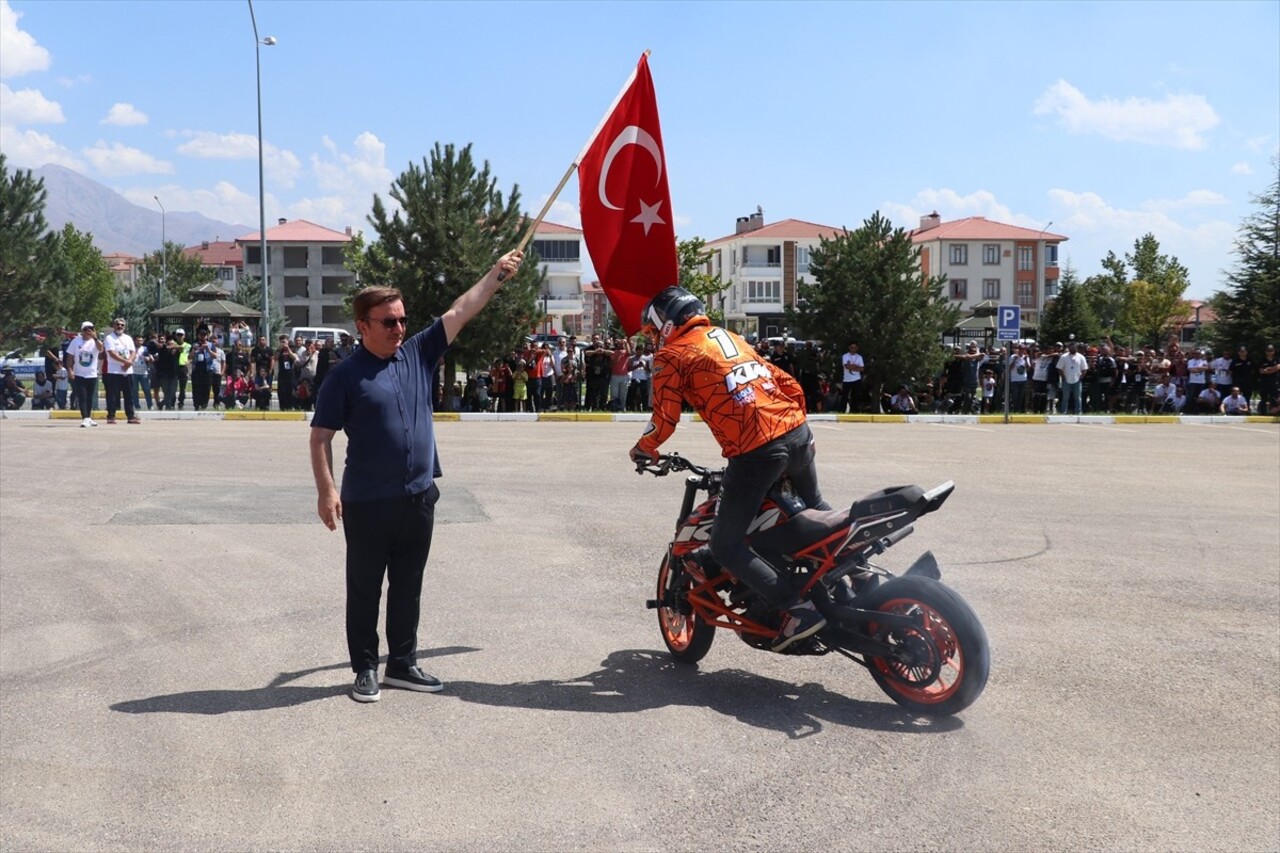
(625,203)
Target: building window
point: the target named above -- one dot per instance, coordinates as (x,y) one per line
(991,288)
(764,291)
(558,251)
(990,253)
(1051,255)
(334,315)
(253,254)
(332,285)
(332,256)
(1026,258)
(1050,288)
(296,315)
(959,254)
(295,257)
(226,274)
(959,288)
(1026,296)
(802,259)
(762,256)
(295,287)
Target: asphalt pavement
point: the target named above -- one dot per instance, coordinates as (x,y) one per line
(174,673)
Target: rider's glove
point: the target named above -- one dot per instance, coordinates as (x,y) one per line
(643,457)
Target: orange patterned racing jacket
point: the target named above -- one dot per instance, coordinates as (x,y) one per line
(745,400)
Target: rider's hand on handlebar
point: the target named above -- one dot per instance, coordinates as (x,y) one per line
(642,458)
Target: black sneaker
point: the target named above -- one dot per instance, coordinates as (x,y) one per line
(800,621)
(412,678)
(366,686)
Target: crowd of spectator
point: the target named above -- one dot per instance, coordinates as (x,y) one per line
(613,375)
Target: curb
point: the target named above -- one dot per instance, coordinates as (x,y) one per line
(641,417)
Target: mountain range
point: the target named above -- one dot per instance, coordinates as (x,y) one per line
(119,225)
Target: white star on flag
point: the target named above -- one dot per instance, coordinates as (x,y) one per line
(649,216)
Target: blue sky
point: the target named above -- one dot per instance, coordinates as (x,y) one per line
(1108,119)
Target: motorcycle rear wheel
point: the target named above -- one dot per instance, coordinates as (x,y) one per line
(688,637)
(953,646)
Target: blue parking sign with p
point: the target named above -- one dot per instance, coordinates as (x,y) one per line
(1009,323)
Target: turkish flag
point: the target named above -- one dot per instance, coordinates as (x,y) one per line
(625,203)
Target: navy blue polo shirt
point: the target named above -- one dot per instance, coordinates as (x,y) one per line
(384,406)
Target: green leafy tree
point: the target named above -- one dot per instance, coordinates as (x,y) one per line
(93,293)
(1249,309)
(452,225)
(692,256)
(35,279)
(174,273)
(249,294)
(1152,308)
(1105,295)
(868,287)
(1069,313)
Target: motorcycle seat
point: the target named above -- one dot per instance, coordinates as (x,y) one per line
(802,530)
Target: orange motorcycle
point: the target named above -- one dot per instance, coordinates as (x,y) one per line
(921,642)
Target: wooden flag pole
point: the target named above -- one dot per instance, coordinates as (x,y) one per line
(533,226)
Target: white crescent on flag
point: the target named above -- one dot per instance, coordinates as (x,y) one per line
(630,135)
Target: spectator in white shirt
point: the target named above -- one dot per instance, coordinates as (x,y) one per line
(1234,404)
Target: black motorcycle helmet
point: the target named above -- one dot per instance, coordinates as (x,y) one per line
(669,310)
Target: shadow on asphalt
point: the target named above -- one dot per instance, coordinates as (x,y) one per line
(638,680)
(278,694)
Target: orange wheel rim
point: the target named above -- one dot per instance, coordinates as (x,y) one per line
(950,664)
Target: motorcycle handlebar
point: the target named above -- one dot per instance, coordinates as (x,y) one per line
(667,463)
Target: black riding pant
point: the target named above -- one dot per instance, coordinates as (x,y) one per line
(747,479)
(393,538)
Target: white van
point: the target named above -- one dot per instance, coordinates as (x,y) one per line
(318,333)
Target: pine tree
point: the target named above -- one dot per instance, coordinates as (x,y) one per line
(452,225)
(1069,314)
(1249,310)
(34,275)
(868,287)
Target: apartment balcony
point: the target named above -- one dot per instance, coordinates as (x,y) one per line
(562,304)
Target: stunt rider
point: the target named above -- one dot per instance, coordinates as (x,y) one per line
(757,414)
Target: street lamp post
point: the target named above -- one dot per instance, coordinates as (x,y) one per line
(265,328)
(164,260)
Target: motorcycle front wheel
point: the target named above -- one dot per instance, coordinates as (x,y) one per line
(943,667)
(688,638)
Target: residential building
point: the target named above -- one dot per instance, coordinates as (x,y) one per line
(990,262)
(595,311)
(126,268)
(224,257)
(559,249)
(761,265)
(306,271)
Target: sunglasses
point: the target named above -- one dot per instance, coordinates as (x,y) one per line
(391,322)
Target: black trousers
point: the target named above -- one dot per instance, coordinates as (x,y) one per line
(392,538)
(747,479)
(119,385)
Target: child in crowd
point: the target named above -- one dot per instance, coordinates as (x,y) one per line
(520,389)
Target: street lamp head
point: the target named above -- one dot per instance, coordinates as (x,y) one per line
(269,40)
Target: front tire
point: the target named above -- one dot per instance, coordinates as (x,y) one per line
(950,657)
(687,636)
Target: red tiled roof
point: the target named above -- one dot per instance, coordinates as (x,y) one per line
(298,231)
(785,229)
(592,287)
(981,228)
(545,227)
(217,253)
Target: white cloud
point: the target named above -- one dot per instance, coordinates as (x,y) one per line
(281,166)
(28,106)
(78,80)
(951,205)
(116,159)
(19,53)
(30,150)
(347,181)
(1242,168)
(1195,198)
(224,202)
(1256,144)
(1177,120)
(124,115)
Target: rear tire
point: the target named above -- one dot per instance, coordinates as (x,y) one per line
(688,638)
(955,648)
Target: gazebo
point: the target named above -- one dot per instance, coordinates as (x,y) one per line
(207,303)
